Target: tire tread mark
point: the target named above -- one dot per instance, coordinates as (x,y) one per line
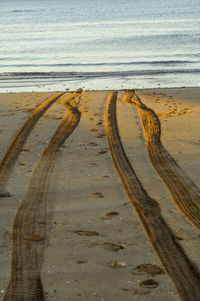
(19,140)
(29,226)
(184,192)
(182,271)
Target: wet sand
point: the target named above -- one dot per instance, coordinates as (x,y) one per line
(90,241)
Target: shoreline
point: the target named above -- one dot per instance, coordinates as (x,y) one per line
(90,222)
(59,81)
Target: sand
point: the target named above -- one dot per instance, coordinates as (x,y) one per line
(90,224)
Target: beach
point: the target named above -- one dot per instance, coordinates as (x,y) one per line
(74,220)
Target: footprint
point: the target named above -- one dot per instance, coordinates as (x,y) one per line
(148,268)
(94,130)
(103,177)
(92,144)
(81,262)
(150,283)
(85,232)
(126,204)
(97,194)
(99,123)
(101,135)
(92,164)
(35,238)
(179,237)
(124,289)
(112,247)
(109,215)
(109,246)
(24,150)
(101,152)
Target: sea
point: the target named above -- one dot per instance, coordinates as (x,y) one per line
(50,45)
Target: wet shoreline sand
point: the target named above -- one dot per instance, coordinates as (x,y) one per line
(90,225)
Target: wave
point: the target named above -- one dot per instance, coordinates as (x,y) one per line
(164,62)
(78,75)
(22,11)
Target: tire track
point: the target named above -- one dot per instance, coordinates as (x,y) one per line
(19,140)
(183,190)
(29,226)
(182,271)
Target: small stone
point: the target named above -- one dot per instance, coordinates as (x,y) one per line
(4,194)
(52,293)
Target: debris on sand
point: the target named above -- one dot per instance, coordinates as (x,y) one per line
(118,264)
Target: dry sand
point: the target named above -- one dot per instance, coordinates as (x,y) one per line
(85,186)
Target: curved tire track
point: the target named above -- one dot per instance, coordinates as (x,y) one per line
(183,190)
(185,275)
(30,222)
(19,140)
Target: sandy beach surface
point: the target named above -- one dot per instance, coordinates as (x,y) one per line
(68,224)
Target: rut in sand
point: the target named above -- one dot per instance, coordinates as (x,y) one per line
(183,190)
(19,140)
(184,274)
(29,226)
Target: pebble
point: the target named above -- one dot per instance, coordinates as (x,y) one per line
(4,194)
(52,293)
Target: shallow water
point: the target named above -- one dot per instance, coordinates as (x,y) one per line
(107,43)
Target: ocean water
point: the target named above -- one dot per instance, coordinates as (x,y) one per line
(99,44)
